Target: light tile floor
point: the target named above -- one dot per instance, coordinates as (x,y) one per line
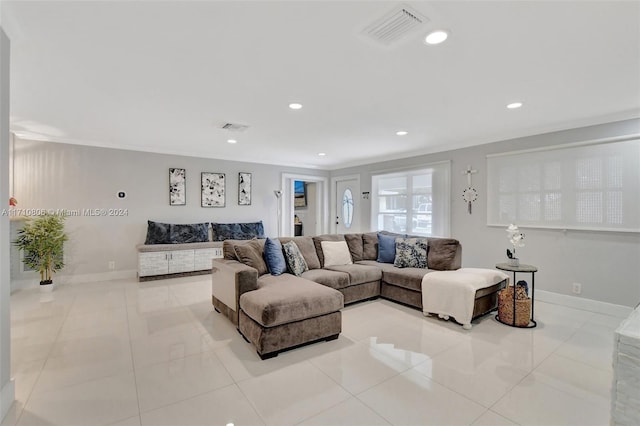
(129,353)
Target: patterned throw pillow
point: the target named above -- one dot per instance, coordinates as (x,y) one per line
(194,233)
(158,233)
(411,253)
(295,261)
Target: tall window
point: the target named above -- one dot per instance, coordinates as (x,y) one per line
(414,202)
(594,186)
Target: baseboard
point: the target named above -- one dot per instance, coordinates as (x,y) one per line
(7,396)
(583,304)
(76,279)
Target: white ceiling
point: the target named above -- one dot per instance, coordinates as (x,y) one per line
(163,76)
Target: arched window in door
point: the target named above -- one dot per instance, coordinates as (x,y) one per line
(347,208)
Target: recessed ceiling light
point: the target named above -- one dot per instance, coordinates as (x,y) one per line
(436,37)
(514,105)
(231,141)
(295,106)
(322,154)
(402,132)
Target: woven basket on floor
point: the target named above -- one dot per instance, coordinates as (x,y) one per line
(523,306)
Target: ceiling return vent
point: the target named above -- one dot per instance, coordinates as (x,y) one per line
(234,127)
(395,26)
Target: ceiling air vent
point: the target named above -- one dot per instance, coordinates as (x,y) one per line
(395,25)
(234,127)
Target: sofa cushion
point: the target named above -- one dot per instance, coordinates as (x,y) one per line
(274,257)
(356,246)
(370,246)
(386,248)
(382,266)
(307,248)
(229,248)
(318,243)
(410,278)
(295,262)
(287,298)
(158,233)
(442,253)
(193,233)
(333,279)
(358,274)
(237,231)
(336,253)
(251,254)
(411,253)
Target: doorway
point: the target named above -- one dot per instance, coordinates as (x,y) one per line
(307,201)
(346,204)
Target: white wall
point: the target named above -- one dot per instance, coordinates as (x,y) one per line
(7,389)
(606,264)
(62,176)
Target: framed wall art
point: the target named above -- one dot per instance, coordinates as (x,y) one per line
(177,187)
(213,189)
(244,189)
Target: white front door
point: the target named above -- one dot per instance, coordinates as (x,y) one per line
(347,206)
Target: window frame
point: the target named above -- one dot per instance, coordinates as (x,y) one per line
(569,190)
(441,185)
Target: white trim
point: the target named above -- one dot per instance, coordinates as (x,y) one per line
(583,304)
(568,145)
(76,279)
(569,228)
(405,168)
(7,396)
(286,201)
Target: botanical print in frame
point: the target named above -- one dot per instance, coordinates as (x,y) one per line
(244,189)
(213,189)
(177,187)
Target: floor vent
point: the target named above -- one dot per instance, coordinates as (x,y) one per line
(395,25)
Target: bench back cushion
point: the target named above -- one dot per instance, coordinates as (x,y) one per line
(237,231)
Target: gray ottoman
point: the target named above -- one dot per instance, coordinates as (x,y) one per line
(288,311)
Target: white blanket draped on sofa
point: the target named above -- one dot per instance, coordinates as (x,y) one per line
(452,293)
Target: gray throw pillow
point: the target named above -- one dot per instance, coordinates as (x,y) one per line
(251,254)
(295,261)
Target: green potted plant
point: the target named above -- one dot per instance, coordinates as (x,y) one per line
(42,241)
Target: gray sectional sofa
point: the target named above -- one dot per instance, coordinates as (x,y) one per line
(276,313)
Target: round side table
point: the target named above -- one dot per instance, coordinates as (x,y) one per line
(520,269)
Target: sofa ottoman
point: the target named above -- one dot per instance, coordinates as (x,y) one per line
(456,293)
(288,311)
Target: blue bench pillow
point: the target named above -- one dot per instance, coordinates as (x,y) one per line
(237,231)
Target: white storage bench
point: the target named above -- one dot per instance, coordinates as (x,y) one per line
(158,261)
(453,293)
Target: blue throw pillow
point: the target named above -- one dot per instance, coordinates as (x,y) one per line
(274,257)
(386,248)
